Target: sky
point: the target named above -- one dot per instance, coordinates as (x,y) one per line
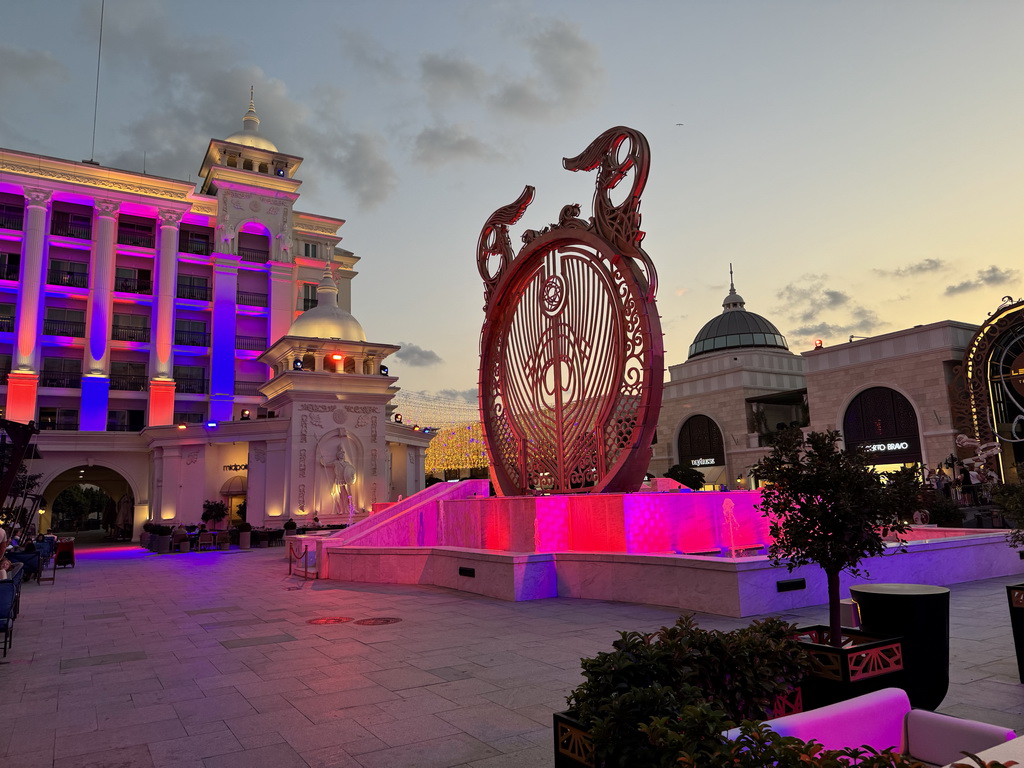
(859,164)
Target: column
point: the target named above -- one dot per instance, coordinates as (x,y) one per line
(161,356)
(96,363)
(282,299)
(222,338)
(23,381)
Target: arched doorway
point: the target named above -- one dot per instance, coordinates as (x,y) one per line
(90,498)
(884,423)
(701,446)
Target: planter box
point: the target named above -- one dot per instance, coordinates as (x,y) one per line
(163,544)
(244,538)
(573,747)
(1015,600)
(868,664)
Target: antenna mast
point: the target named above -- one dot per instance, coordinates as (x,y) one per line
(96,100)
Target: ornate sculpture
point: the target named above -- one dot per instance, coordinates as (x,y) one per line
(572,357)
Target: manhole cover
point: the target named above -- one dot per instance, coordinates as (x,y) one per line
(376,622)
(331,620)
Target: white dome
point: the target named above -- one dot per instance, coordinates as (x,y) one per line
(327,320)
(249,136)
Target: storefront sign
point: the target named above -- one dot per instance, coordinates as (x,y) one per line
(702,462)
(886,447)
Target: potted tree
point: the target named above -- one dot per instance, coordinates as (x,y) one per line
(244,535)
(214,512)
(829,507)
(163,538)
(289,527)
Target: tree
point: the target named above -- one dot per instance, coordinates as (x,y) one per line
(687,476)
(214,511)
(826,507)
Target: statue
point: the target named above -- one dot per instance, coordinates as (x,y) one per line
(344,476)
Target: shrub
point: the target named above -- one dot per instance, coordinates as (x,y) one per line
(244,527)
(290,525)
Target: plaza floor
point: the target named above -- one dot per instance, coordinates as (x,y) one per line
(208,660)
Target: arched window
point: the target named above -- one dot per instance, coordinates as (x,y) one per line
(700,443)
(264,168)
(884,422)
(247,165)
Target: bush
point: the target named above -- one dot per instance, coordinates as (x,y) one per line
(244,527)
(650,677)
(290,525)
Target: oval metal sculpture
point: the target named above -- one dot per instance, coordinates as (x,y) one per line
(572,357)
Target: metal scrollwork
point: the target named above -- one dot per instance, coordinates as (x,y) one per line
(572,357)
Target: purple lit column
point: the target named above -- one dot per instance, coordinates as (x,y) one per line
(161,356)
(222,337)
(96,378)
(283,299)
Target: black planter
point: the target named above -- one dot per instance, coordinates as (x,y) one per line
(869,664)
(1015,599)
(573,746)
(919,614)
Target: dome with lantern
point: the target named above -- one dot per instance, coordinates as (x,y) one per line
(327,320)
(736,328)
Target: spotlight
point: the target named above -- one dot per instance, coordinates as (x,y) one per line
(398,418)
(280,171)
(336,357)
(211,424)
(297,364)
(182,426)
(383,370)
(245,414)
(818,344)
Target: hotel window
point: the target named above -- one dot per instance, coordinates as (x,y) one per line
(12,216)
(5,368)
(58,418)
(131,280)
(130,328)
(68,224)
(128,376)
(71,273)
(311,250)
(308,296)
(61,372)
(190,379)
(191,333)
(64,322)
(195,242)
(10,264)
(194,287)
(126,421)
(6,317)
(137,232)
(189,417)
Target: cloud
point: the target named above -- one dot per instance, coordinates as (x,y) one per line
(993,276)
(417,356)
(448,144)
(468,395)
(808,301)
(912,270)
(446,79)
(19,66)
(369,55)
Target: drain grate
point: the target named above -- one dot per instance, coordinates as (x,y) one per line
(377,622)
(331,620)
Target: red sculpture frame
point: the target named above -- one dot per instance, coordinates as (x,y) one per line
(572,355)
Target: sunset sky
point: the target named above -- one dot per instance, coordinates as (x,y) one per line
(860,164)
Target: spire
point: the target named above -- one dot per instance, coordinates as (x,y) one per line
(732,285)
(327,290)
(733,301)
(250,122)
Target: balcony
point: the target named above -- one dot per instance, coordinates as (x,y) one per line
(190,386)
(67,229)
(248,388)
(63,425)
(199,247)
(12,221)
(252,299)
(9,272)
(3,376)
(305,304)
(196,292)
(254,255)
(7,324)
(128,382)
(114,427)
(70,279)
(137,239)
(133,285)
(129,333)
(64,328)
(192,338)
(251,343)
(62,380)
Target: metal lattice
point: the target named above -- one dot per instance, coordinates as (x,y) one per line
(572,357)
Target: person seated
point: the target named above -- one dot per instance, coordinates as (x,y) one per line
(316,521)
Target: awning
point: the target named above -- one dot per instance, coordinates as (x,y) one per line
(235,486)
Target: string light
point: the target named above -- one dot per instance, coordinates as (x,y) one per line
(459,442)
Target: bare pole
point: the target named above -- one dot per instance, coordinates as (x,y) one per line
(96,99)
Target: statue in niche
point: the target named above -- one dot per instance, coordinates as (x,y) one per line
(343,474)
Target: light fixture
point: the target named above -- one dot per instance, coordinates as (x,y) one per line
(818,344)
(398,418)
(297,364)
(383,370)
(182,426)
(245,414)
(336,357)
(211,424)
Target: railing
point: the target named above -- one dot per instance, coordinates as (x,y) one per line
(252,299)
(7,221)
(6,324)
(64,328)
(9,272)
(248,388)
(254,255)
(129,333)
(111,427)
(301,560)
(3,376)
(62,380)
(251,343)
(197,292)
(307,304)
(71,279)
(129,382)
(133,285)
(63,424)
(190,386)
(199,247)
(138,239)
(66,229)
(192,338)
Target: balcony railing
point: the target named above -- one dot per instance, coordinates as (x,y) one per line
(112,427)
(133,285)
(60,379)
(199,247)
(7,221)
(251,343)
(192,338)
(129,382)
(3,376)
(71,279)
(248,388)
(190,386)
(129,333)
(63,425)
(252,299)
(66,229)
(64,328)
(9,272)
(6,324)
(197,292)
(138,239)
(305,304)
(254,255)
